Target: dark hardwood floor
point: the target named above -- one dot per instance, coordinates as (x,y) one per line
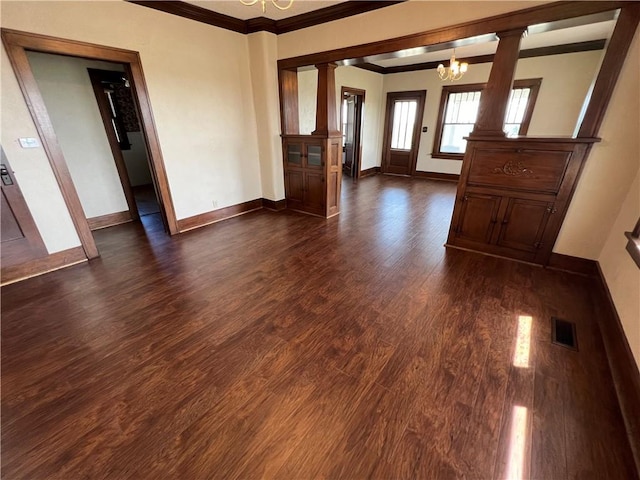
(279,345)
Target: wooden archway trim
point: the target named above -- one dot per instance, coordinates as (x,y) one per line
(16,44)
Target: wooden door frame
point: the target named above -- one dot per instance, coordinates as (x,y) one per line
(417,127)
(18,205)
(357,132)
(105,114)
(16,44)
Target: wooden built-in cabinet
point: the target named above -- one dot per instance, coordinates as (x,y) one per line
(513,195)
(312,173)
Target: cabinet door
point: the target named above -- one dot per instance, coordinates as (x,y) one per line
(314,192)
(314,156)
(294,186)
(478,217)
(524,223)
(294,154)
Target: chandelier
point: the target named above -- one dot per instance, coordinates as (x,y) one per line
(455,70)
(264,4)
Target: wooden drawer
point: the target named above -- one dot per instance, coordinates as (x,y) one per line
(520,169)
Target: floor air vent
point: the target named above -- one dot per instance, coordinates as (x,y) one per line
(563,333)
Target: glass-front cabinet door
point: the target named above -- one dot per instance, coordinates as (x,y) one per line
(314,156)
(294,154)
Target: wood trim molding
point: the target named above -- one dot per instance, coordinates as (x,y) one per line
(446,177)
(277,205)
(605,82)
(577,47)
(40,266)
(288,89)
(215,216)
(508,21)
(368,172)
(329,14)
(16,43)
(109,220)
(624,369)
(260,24)
(567,263)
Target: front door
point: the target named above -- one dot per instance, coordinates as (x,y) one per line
(402,131)
(21,241)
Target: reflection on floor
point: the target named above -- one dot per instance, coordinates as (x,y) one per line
(282,345)
(146,201)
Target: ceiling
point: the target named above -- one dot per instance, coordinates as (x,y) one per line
(581,33)
(236,9)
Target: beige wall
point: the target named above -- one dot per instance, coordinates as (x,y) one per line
(32,169)
(200,90)
(557,107)
(264,79)
(136,160)
(67,92)
(307,93)
(621,272)
(610,169)
(373,109)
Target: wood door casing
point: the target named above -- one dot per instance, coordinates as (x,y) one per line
(402,161)
(20,238)
(16,44)
(353,140)
(97,77)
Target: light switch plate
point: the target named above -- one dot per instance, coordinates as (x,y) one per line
(29,142)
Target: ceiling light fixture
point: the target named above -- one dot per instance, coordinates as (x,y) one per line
(455,70)
(264,4)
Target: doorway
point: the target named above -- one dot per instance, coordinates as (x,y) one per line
(121,123)
(403,120)
(17,45)
(351,115)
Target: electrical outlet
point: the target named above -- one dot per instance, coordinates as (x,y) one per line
(215,203)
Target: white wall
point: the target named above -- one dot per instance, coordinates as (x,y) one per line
(67,92)
(32,169)
(200,91)
(557,107)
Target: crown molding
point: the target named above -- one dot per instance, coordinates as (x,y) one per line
(263,24)
(529,53)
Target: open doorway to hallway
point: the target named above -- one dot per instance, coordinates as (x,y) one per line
(117,108)
(95,120)
(351,126)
